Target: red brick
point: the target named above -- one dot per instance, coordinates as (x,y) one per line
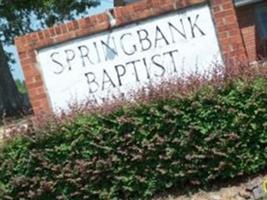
(52,31)
(58,30)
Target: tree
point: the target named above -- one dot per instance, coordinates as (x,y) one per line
(18,17)
(21,86)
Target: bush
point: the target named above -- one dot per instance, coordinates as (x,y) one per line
(218,131)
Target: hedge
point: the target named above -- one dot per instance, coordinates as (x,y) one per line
(134,151)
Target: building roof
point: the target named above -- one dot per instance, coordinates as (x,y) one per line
(240,3)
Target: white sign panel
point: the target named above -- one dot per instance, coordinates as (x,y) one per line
(115,62)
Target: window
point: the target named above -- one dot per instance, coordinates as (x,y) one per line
(262,20)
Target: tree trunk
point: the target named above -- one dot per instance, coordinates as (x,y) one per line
(10,98)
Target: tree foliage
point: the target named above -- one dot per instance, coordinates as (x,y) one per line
(17,16)
(21,86)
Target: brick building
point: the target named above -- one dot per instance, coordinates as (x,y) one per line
(252,19)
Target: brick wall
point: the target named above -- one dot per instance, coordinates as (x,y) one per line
(224,14)
(228,30)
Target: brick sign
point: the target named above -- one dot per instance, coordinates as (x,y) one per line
(88,60)
(111,63)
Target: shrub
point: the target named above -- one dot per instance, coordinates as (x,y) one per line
(218,131)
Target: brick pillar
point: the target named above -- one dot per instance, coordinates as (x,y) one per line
(229,33)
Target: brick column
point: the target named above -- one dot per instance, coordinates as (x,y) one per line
(33,79)
(229,33)
(28,45)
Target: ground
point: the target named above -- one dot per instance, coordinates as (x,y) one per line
(245,188)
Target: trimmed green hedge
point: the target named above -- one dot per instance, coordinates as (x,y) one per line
(133,152)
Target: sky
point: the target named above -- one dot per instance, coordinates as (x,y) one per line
(16,69)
